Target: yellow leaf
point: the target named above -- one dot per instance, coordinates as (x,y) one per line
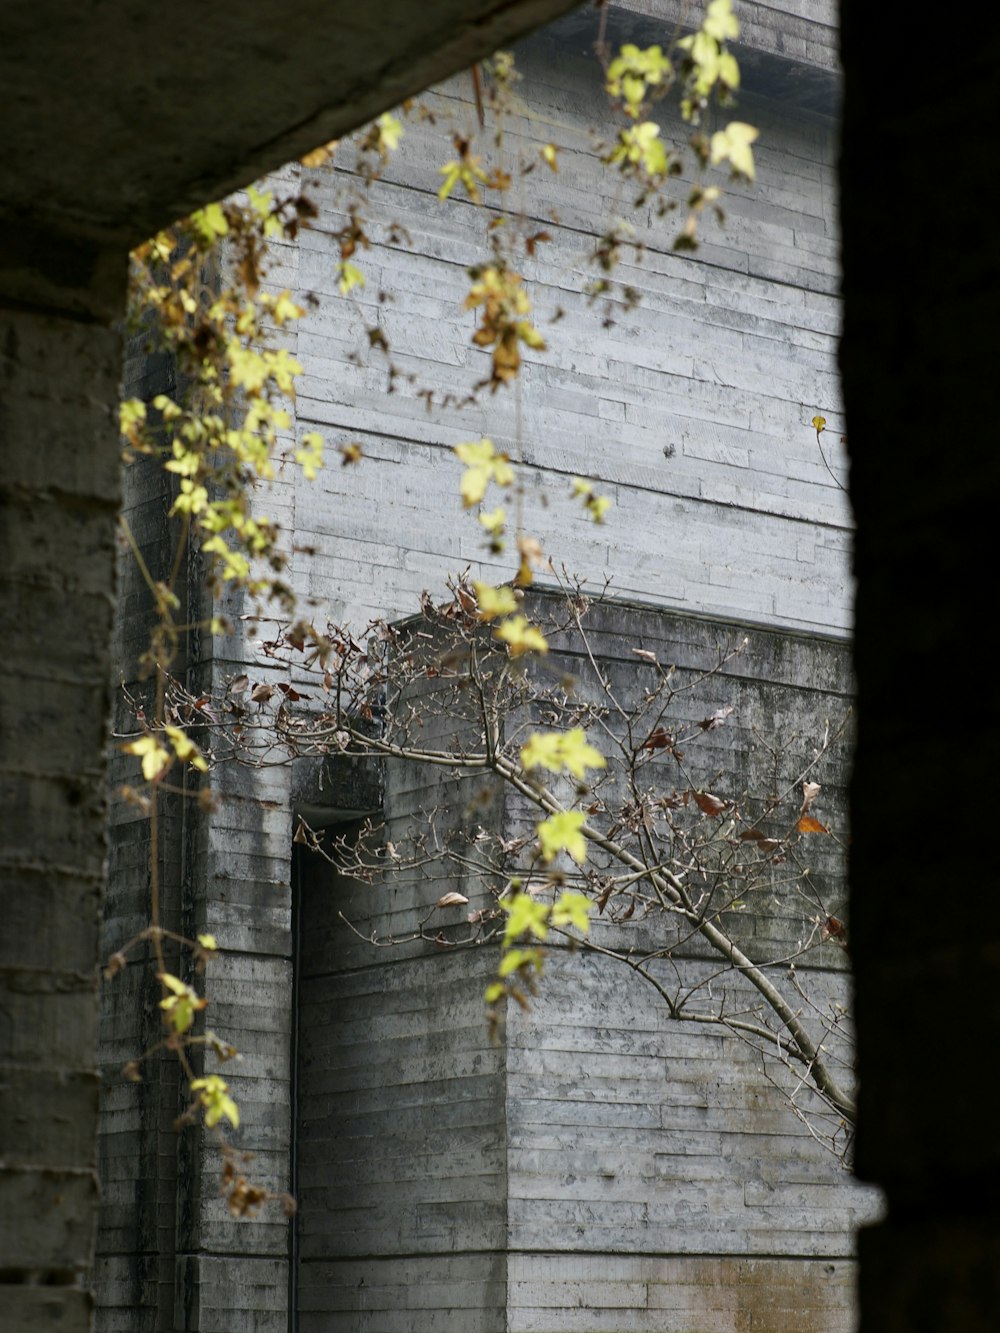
(494,602)
(521,637)
(309,455)
(319,156)
(348,277)
(494,521)
(173,983)
(514,959)
(210,223)
(131,415)
(544,749)
(390,132)
(733,145)
(572,909)
(596,505)
(154,757)
(720,22)
(559,750)
(182,1004)
(475,453)
(185,749)
(473,485)
(213,1094)
(530,336)
(561,833)
(285,309)
(482,465)
(525,916)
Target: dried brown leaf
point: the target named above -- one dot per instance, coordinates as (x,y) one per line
(834,929)
(807,824)
(810,790)
(709,804)
(659,739)
(452,900)
(289,691)
(716,719)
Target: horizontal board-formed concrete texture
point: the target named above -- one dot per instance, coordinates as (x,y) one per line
(691,412)
(650,1179)
(107,135)
(58,500)
(621,1170)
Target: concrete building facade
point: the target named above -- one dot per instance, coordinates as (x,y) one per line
(599,1169)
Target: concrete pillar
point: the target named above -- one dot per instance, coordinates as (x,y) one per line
(59,367)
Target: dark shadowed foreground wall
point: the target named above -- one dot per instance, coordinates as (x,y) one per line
(59,494)
(919,358)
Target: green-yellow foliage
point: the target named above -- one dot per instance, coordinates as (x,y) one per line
(464,171)
(525,916)
(710,67)
(732,145)
(309,455)
(213,1094)
(349,276)
(494,521)
(634,73)
(639,150)
(153,755)
(483,464)
(494,602)
(561,751)
(562,833)
(222,437)
(596,505)
(572,909)
(181,1004)
(521,636)
(528,921)
(185,749)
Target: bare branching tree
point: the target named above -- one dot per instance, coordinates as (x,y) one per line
(694,836)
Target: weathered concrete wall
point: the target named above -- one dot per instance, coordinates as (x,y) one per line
(622,1170)
(169,1255)
(58,496)
(729,355)
(692,413)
